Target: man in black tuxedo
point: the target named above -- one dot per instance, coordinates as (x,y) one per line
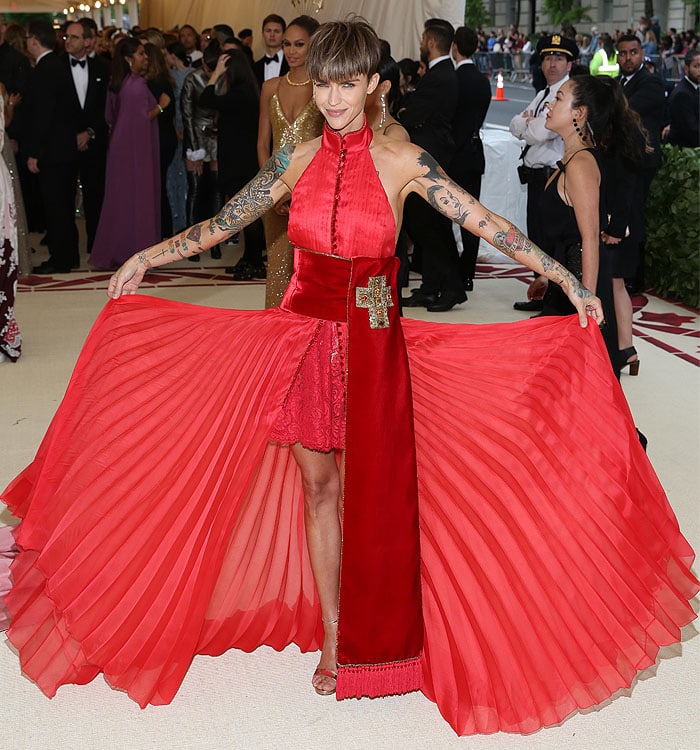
(51,146)
(684,105)
(273,63)
(428,117)
(645,95)
(90,76)
(468,163)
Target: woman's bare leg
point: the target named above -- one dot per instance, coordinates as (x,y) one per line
(321,480)
(623,313)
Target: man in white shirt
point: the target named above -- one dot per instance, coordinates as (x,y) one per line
(542,148)
(273,63)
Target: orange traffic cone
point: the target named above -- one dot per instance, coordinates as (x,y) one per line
(499,89)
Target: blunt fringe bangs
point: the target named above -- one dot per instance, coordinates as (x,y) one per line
(342,49)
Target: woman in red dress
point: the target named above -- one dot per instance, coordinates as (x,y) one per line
(473,571)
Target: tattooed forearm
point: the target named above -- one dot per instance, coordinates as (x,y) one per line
(166,251)
(446,202)
(256,197)
(513,241)
(195,233)
(444,195)
(487,218)
(249,204)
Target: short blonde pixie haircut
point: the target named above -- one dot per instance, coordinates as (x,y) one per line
(340,50)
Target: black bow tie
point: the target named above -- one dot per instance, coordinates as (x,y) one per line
(269,59)
(75,62)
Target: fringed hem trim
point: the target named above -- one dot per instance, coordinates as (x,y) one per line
(376,680)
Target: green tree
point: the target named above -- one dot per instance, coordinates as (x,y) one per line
(475,14)
(695,10)
(565,11)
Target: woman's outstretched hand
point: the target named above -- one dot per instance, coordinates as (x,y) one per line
(127,278)
(587,305)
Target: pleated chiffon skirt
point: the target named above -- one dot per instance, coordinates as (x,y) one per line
(160,522)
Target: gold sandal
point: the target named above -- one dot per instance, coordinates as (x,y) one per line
(325,672)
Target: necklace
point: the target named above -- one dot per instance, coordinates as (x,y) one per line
(293,83)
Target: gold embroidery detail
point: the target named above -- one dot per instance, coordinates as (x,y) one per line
(376,297)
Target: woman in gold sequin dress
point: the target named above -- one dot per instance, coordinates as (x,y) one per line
(288,115)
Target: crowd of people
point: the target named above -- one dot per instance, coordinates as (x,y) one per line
(166,126)
(654,41)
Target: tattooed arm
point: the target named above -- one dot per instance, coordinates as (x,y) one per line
(259,195)
(458,205)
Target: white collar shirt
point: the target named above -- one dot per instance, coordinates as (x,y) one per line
(546,148)
(80,79)
(437,60)
(272,69)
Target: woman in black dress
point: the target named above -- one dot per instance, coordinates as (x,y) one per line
(160,85)
(597,126)
(233,92)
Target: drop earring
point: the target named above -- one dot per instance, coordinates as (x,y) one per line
(583,136)
(382,99)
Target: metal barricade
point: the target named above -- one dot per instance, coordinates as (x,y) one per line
(501,61)
(483,63)
(521,67)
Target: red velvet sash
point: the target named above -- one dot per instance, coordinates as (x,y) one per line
(380,631)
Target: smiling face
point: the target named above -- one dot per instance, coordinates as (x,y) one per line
(139,62)
(342,103)
(295,46)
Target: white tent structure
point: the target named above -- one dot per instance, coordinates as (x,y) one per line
(398,21)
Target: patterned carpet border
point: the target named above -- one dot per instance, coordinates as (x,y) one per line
(674,328)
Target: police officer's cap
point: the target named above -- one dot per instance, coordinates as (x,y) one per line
(557,44)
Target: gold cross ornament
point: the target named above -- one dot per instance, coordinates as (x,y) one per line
(376,297)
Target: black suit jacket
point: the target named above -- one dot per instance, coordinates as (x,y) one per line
(51,114)
(684,111)
(259,68)
(14,73)
(92,114)
(645,95)
(430,110)
(472,104)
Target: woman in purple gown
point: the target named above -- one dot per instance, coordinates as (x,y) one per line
(130,215)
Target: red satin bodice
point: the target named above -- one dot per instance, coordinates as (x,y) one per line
(346,226)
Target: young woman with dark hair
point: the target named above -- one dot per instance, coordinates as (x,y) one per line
(160,84)
(288,115)
(603,141)
(232,91)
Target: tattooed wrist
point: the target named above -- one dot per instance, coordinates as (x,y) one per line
(143,260)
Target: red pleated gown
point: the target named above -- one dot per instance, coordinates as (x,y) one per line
(159,521)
